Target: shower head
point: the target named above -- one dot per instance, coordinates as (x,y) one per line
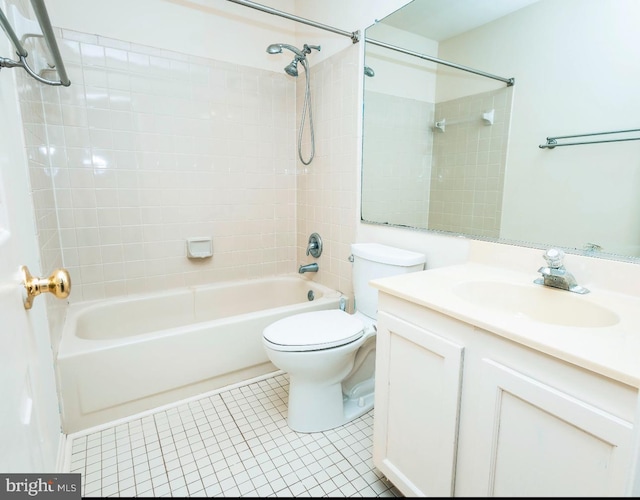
(301,55)
(369,71)
(292,68)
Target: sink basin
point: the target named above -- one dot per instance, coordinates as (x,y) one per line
(537,302)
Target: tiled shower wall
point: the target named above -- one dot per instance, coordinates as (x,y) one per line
(327,187)
(469,159)
(397,151)
(149,147)
(419,176)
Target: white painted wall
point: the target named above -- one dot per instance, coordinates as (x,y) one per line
(348,15)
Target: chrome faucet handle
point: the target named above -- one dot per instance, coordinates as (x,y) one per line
(555,275)
(314,246)
(554,258)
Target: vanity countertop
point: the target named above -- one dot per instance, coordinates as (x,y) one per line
(613,350)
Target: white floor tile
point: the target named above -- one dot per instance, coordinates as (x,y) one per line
(234,443)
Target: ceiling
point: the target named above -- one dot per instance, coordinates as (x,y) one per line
(442,19)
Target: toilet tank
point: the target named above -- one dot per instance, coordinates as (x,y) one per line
(374,260)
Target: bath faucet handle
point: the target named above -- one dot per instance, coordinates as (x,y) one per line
(314,246)
(554,258)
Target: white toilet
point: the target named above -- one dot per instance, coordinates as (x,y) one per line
(329,355)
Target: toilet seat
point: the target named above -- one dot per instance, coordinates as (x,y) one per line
(314,331)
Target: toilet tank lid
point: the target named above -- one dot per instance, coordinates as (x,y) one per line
(387,255)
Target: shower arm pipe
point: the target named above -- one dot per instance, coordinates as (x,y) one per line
(47,30)
(354,35)
(509,81)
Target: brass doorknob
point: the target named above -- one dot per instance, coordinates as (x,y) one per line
(59,284)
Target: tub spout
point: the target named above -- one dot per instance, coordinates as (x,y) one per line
(308,268)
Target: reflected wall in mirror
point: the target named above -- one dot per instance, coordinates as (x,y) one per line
(450,150)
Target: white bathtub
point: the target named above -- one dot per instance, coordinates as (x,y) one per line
(121,356)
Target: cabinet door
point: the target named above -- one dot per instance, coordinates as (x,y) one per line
(539,441)
(418,377)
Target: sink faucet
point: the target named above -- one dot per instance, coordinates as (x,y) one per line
(556,275)
(308,268)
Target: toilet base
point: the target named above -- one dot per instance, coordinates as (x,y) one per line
(356,408)
(317,409)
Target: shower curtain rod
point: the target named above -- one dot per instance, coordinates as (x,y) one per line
(508,81)
(354,35)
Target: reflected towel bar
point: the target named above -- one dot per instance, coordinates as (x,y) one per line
(552,142)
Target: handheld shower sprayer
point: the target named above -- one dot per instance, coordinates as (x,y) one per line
(300,55)
(276,48)
(292,70)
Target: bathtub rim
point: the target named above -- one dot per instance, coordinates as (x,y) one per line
(71,345)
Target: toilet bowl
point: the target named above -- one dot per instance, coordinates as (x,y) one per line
(318,362)
(329,355)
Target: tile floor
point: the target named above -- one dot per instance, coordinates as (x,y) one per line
(233,442)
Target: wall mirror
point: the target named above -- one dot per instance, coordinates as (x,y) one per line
(460,152)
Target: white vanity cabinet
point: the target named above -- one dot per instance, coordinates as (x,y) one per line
(461,411)
(418,380)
